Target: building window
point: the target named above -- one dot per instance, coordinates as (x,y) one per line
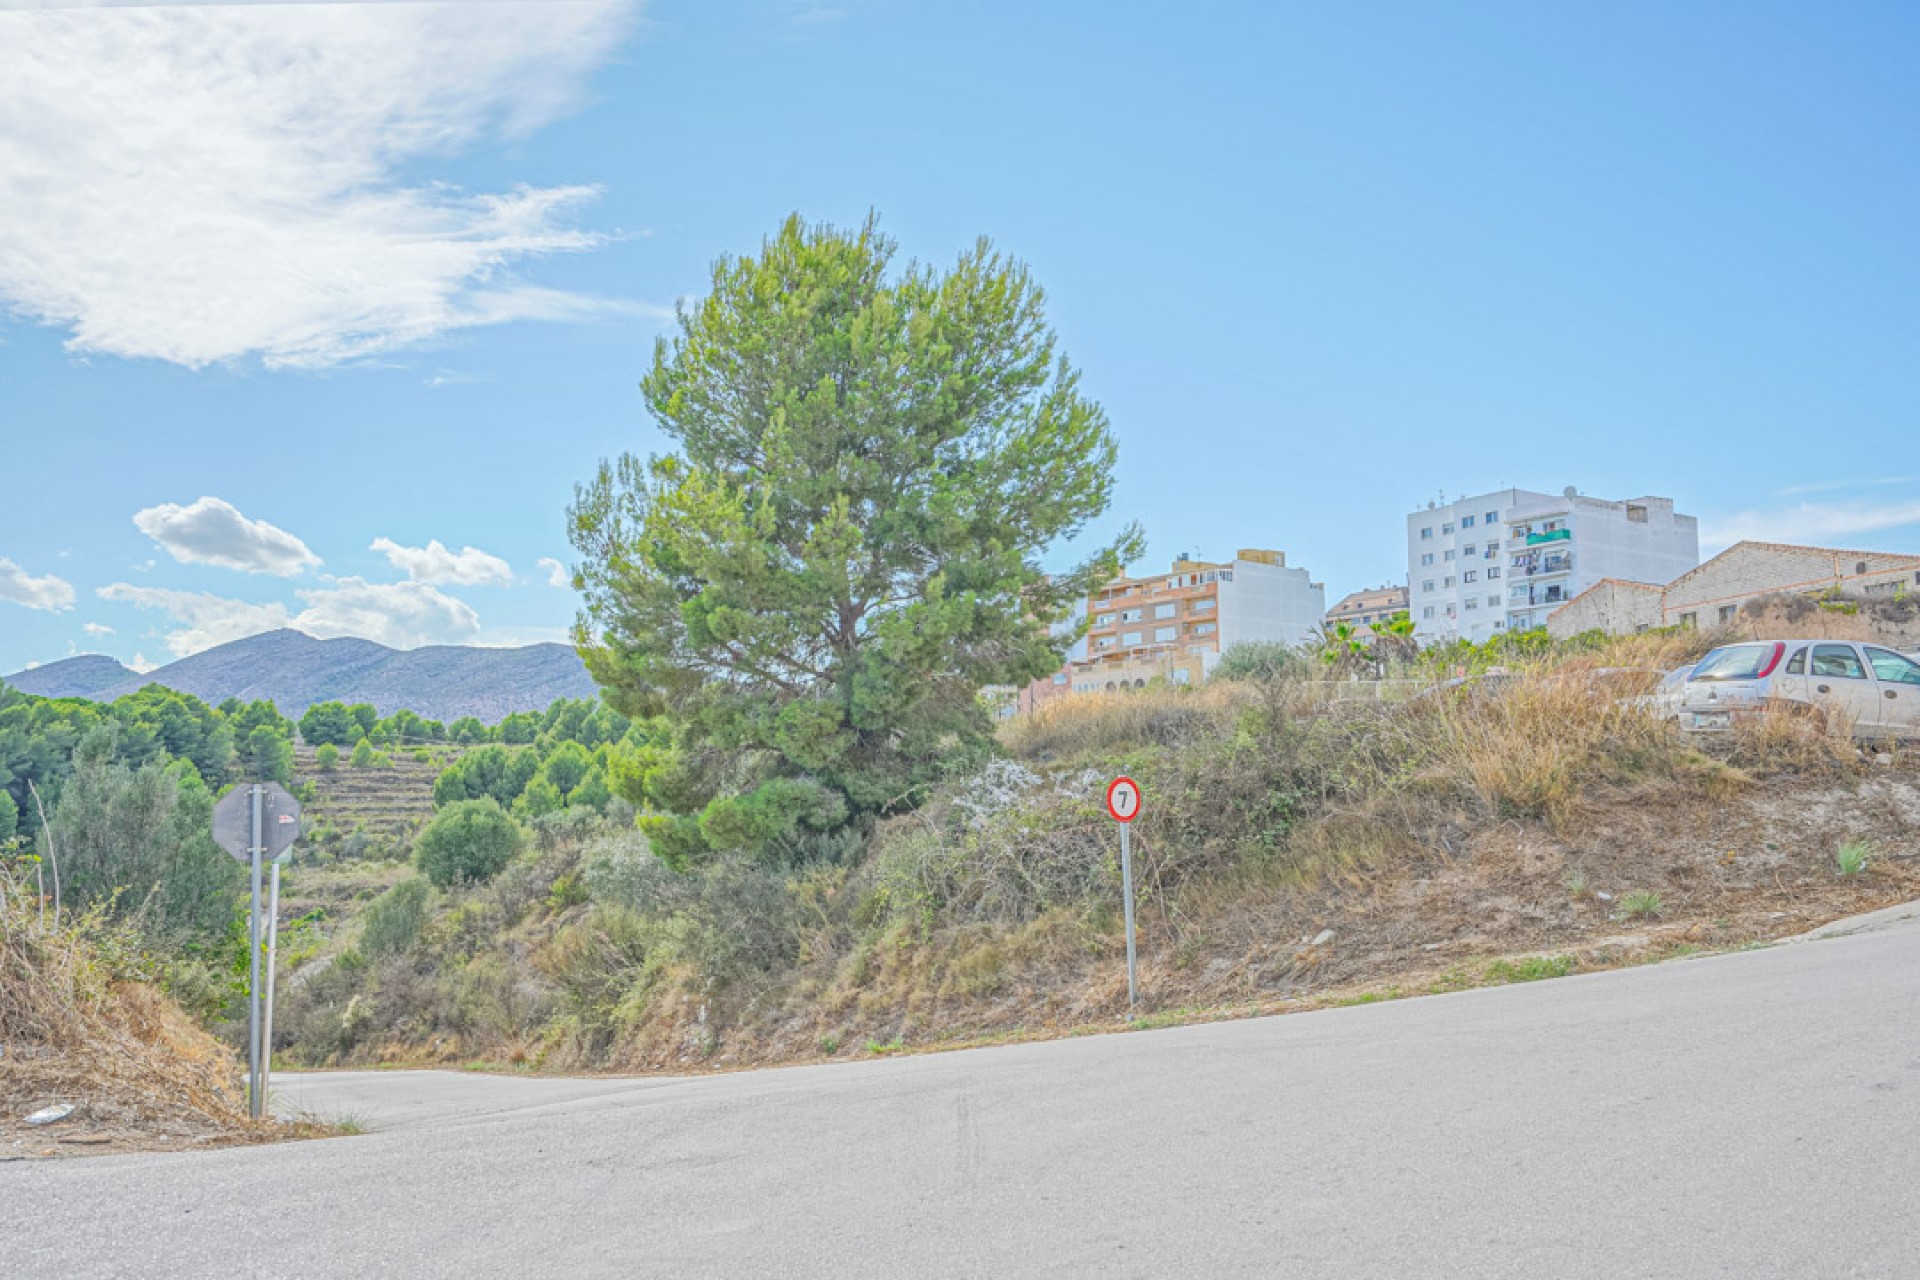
(1493,602)
(1427,558)
(1427,612)
(1181,675)
(1447,582)
(1446,528)
(1165,610)
(1493,573)
(1104,642)
(1201,606)
(1473,604)
(1205,629)
(1130,639)
(1493,517)
(1636,514)
(1130,615)
(1466,522)
(1427,532)
(1103,620)
(1425,585)
(1860,567)
(1059,677)
(1162,635)
(1689,619)
(1471,575)
(1727,611)
(1449,553)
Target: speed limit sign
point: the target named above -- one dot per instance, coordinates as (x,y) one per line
(1123,799)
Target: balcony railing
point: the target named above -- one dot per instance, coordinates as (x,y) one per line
(1551,535)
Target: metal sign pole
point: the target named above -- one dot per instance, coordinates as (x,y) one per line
(273,943)
(1126,885)
(253,977)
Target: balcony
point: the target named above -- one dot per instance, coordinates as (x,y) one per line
(1551,535)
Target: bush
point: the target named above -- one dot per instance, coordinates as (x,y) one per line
(394,918)
(470,841)
(363,756)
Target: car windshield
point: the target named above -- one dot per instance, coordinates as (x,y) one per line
(1734,662)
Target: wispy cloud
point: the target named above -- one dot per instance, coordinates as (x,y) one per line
(557,575)
(96,628)
(404,615)
(1840,486)
(210,531)
(47,592)
(206,182)
(1816,523)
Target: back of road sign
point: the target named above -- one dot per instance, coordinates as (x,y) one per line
(279,821)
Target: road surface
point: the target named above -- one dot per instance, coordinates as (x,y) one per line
(1746,1115)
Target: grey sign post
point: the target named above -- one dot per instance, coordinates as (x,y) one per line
(256,823)
(1123,802)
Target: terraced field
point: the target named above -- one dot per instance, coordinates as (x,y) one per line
(372,812)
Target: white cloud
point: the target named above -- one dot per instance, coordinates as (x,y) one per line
(210,531)
(49,593)
(557,575)
(140,666)
(404,615)
(1816,523)
(210,620)
(467,567)
(204,182)
(96,628)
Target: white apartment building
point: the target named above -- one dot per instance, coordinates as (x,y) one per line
(1505,560)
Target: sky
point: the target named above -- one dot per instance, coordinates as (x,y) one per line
(313,314)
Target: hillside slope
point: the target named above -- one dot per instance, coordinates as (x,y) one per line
(81,677)
(294,671)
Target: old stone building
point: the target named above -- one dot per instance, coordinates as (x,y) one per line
(1715,594)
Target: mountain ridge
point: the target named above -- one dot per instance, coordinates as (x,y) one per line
(294,670)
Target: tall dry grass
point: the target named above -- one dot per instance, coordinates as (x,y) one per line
(82,1024)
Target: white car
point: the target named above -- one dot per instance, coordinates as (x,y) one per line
(1877,689)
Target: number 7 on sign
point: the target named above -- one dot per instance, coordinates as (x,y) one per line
(1123,802)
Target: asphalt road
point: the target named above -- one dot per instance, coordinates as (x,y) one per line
(1748,1115)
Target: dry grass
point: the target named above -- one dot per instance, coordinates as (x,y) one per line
(79,1025)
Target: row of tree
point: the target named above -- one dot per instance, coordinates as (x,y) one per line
(159,726)
(587,721)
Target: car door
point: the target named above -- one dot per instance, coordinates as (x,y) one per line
(1838,678)
(1897,681)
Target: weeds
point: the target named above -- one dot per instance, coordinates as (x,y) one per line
(1531,968)
(1853,857)
(1641,904)
(1576,885)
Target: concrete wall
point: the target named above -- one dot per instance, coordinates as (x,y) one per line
(1618,608)
(1269,602)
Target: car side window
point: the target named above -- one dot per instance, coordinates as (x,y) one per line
(1838,661)
(1894,668)
(1797,664)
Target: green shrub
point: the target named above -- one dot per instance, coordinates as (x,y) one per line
(470,841)
(1853,857)
(1641,904)
(394,918)
(363,756)
(327,757)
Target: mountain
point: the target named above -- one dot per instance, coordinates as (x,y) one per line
(294,671)
(81,677)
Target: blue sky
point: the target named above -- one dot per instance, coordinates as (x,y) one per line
(370,277)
